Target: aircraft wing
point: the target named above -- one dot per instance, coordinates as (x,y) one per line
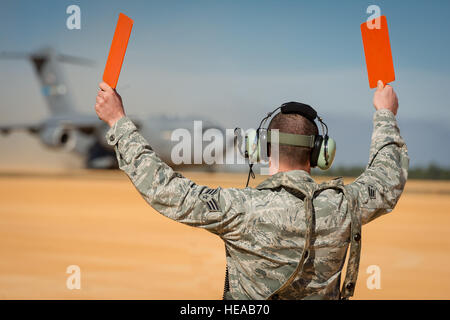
(31,128)
(84,122)
(70,122)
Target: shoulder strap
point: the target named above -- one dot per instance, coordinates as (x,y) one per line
(351,274)
(307,203)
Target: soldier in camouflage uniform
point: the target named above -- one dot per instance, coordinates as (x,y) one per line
(288,237)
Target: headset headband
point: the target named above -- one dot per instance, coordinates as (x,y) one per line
(306,111)
(299,108)
(291,139)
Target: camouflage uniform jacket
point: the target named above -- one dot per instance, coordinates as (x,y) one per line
(287,238)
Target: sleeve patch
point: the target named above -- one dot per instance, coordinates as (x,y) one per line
(372,192)
(207,197)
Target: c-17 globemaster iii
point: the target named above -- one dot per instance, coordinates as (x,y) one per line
(69,130)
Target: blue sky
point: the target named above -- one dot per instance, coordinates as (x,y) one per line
(232,61)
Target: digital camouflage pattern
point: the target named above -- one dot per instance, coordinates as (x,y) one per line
(288,237)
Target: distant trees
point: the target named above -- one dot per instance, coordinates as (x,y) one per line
(432,172)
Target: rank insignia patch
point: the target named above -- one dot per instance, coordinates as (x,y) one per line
(372,193)
(207,197)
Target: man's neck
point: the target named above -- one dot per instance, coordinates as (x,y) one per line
(285,167)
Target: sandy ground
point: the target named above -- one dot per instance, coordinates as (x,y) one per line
(126,250)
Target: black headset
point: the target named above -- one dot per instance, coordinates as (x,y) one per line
(323,147)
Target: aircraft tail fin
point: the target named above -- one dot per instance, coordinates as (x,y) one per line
(47,68)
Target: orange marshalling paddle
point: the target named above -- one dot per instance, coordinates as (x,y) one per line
(117,51)
(377,49)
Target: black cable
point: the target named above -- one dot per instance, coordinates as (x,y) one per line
(325,136)
(250,173)
(323,124)
(268,116)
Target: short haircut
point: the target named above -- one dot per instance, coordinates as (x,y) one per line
(296,124)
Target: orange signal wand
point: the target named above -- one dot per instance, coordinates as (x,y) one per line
(117,50)
(377,49)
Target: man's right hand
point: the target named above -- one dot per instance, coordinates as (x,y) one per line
(385,98)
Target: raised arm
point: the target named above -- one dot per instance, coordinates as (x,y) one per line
(167,191)
(381,185)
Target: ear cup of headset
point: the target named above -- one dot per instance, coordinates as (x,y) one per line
(263,148)
(252,146)
(315,152)
(327,153)
(239,141)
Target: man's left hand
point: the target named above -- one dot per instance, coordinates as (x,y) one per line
(109,105)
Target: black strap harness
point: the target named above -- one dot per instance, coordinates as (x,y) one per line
(351,275)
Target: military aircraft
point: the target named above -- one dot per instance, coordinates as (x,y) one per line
(71,131)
